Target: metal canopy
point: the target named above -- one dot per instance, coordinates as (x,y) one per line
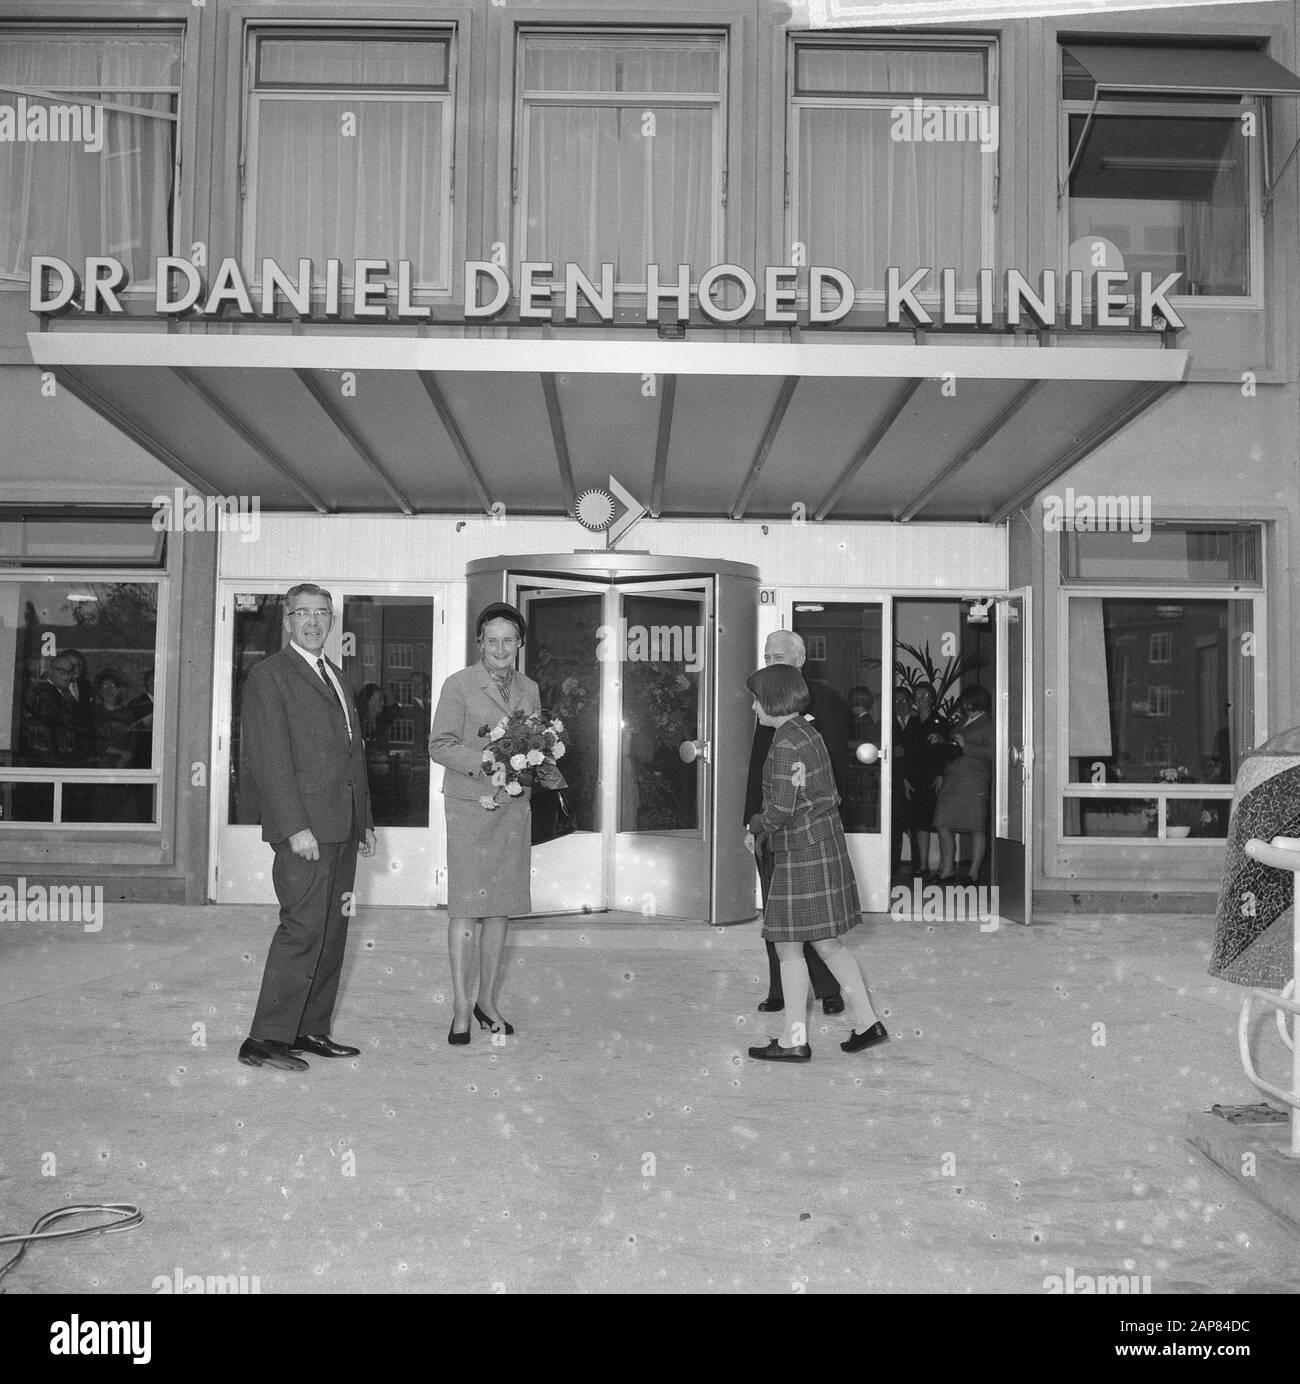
(847,430)
(1178,71)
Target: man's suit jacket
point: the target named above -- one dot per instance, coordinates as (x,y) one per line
(296,753)
(830,718)
(470,699)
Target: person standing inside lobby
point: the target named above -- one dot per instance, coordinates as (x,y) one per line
(305,759)
(830,718)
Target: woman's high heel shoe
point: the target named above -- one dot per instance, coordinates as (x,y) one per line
(485,1022)
(457,1039)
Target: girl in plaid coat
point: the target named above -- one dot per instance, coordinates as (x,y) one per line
(813,896)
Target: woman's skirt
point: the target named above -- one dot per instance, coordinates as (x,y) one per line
(813,894)
(962,807)
(489,859)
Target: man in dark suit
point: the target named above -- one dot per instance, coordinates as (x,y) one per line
(830,719)
(305,760)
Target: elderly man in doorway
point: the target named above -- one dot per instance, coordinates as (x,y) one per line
(305,759)
(830,718)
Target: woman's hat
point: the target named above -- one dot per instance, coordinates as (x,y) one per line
(499,610)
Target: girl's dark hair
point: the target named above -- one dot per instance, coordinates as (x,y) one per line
(977,698)
(780,689)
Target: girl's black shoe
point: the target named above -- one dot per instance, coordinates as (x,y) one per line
(454,1038)
(485,1022)
(857,1041)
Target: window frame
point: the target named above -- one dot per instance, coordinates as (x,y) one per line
(154,776)
(444,287)
(174,28)
(872,296)
(719,143)
(1187,108)
(1256,593)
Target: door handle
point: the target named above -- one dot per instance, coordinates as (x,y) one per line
(1018,755)
(867,753)
(691,750)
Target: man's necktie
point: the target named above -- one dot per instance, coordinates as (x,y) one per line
(329,682)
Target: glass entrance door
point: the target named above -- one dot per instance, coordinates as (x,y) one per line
(846,644)
(627,666)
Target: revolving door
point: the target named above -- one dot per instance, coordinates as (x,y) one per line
(644,658)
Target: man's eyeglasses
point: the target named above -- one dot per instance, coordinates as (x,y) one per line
(301,613)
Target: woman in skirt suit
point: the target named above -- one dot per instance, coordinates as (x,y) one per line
(488,853)
(813,896)
(964,798)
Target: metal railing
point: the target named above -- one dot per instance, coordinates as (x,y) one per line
(1283,853)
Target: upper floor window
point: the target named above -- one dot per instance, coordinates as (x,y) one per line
(88,158)
(1158,147)
(350,150)
(893,154)
(622,151)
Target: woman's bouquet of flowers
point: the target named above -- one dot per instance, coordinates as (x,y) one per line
(521,751)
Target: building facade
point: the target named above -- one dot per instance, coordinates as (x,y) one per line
(969,352)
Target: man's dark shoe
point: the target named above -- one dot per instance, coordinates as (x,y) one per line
(833,1004)
(773,1004)
(270,1052)
(322,1045)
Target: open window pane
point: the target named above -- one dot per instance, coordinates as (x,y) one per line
(1171,193)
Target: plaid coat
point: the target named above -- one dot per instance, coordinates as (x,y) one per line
(814,894)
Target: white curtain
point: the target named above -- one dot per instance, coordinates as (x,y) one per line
(868,201)
(350,175)
(626,181)
(1216,229)
(61,199)
(1090,728)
